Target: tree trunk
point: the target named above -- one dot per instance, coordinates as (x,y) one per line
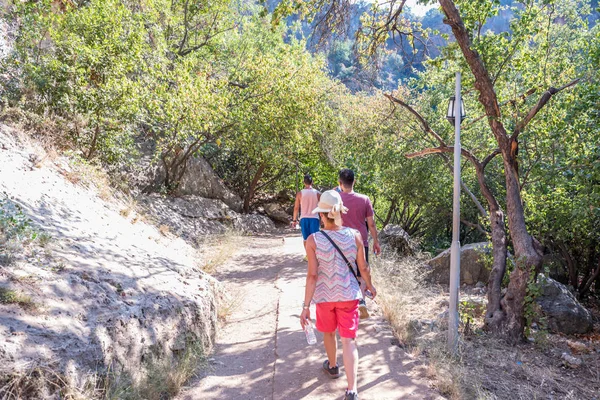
(528,254)
(588,284)
(92,149)
(252,186)
(391,210)
(570,265)
(495,315)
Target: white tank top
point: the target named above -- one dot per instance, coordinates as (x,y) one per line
(308,203)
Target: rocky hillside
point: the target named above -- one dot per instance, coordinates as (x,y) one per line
(88,289)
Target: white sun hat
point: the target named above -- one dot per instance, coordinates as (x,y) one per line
(331,203)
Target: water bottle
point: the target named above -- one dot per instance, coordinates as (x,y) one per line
(310,333)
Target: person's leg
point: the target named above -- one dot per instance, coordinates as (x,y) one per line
(347,317)
(304,230)
(350,357)
(327,323)
(330,342)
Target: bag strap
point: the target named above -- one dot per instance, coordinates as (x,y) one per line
(342,254)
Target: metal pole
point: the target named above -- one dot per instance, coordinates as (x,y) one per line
(455,249)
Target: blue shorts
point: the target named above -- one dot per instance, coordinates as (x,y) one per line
(309,226)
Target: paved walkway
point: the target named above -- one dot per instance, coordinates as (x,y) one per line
(261,352)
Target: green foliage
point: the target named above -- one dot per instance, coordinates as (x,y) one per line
(8,296)
(14,224)
(532,311)
(214,79)
(81,63)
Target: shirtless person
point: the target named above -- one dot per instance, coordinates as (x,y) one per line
(306,201)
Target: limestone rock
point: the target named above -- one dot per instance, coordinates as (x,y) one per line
(112,295)
(571,361)
(199,179)
(473,269)
(255,223)
(192,217)
(397,239)
(276,212)
(564,313)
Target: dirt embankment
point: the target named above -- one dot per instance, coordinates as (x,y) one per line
(87,289)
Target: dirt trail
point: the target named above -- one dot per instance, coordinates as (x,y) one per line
(261,352)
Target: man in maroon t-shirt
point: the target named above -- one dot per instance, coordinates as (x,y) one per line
(360,217)
(360,211)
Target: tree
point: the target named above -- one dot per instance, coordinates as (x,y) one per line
(482,59)
(83,62)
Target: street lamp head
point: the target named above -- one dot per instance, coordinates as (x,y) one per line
(451,110)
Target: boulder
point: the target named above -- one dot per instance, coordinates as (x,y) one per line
(193,217)
(276,212)
(473,268)
(254,223)
(397,239)
(199,179)
(562,310)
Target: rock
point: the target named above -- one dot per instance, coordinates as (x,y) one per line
(254,223)
(193,217)
(276,212)
(420,326)
(199,179)
(442,320)
(570,361)
(564,313)
(473,269)
(397,239)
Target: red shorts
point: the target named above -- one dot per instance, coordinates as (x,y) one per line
(340,315)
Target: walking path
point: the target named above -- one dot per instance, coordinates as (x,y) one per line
(261,352)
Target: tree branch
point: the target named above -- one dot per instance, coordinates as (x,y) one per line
(540,104)
(445,149)
(522,97)
(476,226)
(489,158)
(424,124)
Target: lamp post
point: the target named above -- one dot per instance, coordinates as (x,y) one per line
(456,108)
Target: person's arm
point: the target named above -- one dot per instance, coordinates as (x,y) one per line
(311,279)
(373,232)
(296,209)
(365,270)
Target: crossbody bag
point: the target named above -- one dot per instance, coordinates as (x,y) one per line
(355,274)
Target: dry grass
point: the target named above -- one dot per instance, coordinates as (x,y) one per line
(130,206)
(406,300)
(227,303)
(485,367)
(164,230)
(8,296)
(40,382)
(164,379)
(215,250)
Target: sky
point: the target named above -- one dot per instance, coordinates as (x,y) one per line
(418,9)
